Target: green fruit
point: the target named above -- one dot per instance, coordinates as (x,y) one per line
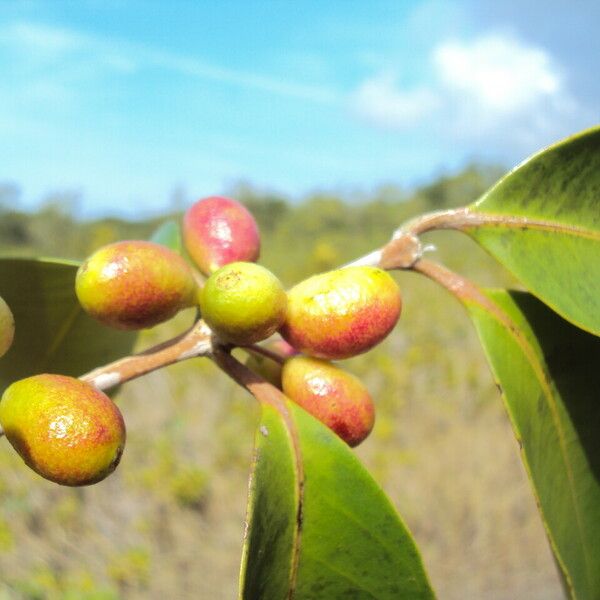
(65,429)
(335,397)
(7,327)
(134,284)
(243,303)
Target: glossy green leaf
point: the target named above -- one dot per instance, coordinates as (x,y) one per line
(336,535)
(549,372)
(52,332)
(542,221)
(272,513)
(168,234)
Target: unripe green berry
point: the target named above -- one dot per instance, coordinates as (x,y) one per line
(65,429)
(335,397)
(243,303)
(135,284)
(342,313)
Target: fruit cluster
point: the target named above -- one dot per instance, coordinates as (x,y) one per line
(71,433)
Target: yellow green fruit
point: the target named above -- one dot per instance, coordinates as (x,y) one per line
(334,396)
(243,303)
(342,313)
(134,284)
(63,428)
(7,327)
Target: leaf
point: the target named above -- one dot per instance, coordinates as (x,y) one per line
(52,332)
(168,234)
(272,513)
(318,524)
(549,374)
(542,221)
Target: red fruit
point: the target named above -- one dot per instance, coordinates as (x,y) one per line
(335,397)
(135,284)
(218,231)
(342,313)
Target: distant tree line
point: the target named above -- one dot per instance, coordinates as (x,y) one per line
(326,225)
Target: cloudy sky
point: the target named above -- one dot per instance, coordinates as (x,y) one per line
(124,101)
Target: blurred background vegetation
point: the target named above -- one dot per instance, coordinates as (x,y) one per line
(169,522)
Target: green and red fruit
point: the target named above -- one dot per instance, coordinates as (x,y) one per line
(342,313)
(218,231)
(135,284)
(243,303)
(65,429)
(7,327)
(335,397)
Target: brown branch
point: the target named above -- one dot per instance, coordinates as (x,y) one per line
(261,389)
(197,341)
(274,356)
(404,249)
(462,289)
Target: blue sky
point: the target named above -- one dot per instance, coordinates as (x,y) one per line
(122,102)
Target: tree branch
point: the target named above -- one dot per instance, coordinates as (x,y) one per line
(261,389)
(197,341)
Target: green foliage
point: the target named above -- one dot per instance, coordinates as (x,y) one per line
(169,234)
(53,333)
(130,568)
(190,486)
(556,253)
(336,535)
(549,376)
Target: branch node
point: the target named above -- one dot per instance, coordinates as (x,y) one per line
(402,252)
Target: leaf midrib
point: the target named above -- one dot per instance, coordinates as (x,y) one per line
(498,220)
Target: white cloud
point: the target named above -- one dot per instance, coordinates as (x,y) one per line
(497,73)
(380,101)
(491,85)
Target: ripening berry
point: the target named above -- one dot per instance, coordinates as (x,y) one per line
(135,284)
(335,397)
(243,303)
(65,429)
(7,327)
(218,231)
(268,368)
(342,313)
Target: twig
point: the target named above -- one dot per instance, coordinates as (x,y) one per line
(261,389)
(404,249)
(197,341)
(274,356)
